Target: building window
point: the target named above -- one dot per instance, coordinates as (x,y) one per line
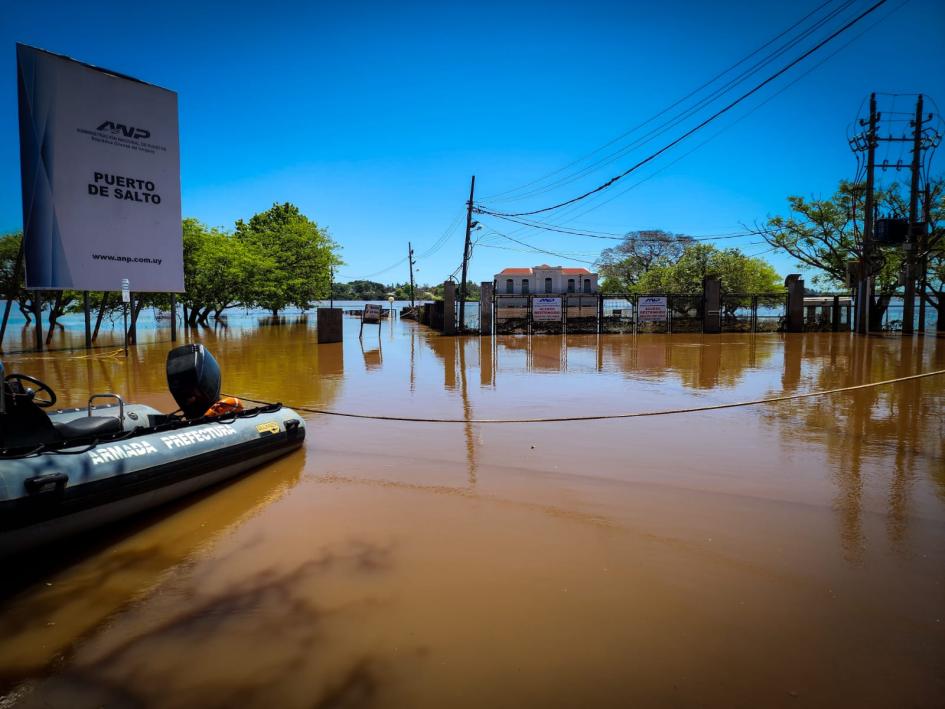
(547,285)
(587,285)
(509,286)
(570,285)
(524,286)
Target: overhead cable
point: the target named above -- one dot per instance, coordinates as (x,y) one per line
(482,210)
(500,195)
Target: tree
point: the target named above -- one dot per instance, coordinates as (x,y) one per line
(299,252)
(220,271)
(9,251)
(472,291)
(622,266)
(827,234)
(60,301)
(739,273)
(361,290)
(935,279)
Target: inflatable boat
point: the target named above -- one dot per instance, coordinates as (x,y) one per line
(71,470)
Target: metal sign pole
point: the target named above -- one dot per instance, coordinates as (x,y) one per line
(125,299)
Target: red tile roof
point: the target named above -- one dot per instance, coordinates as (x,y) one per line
(516,272)
(529,271)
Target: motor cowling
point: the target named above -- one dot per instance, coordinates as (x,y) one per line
(194,379)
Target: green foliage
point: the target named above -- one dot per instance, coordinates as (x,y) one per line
(825,234)
(472,291)
(297,253)
(9,250)
(935,254)
(372,290)
(219,270)
(739,273)
(361,290)
(58,302)
(622,266)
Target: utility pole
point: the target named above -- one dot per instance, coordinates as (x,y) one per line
(864,300)
(924,262)
(462,283)
(908,306)
(411,262)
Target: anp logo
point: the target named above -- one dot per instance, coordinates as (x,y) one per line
(127,131)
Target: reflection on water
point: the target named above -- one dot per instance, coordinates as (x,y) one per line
(782,554)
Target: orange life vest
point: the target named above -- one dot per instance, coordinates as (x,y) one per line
(226,405)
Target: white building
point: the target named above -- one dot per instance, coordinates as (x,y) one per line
(545,279)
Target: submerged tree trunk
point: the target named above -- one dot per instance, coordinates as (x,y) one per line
(133,327)
(878,311)
(937,300)
(54,312)
(101,314)
(204,314)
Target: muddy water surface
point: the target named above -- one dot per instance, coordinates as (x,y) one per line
(789,554)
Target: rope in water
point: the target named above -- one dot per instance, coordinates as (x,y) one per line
(601,417)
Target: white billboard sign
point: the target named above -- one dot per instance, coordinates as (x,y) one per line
(100,164)
(652,308)
(546,309)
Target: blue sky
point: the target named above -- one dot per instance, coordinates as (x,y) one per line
(372,116)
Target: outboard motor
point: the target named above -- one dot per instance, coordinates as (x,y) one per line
(193,376)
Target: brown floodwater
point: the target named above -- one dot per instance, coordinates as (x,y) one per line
(788,554)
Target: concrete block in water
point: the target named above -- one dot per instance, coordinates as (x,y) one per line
(329,325)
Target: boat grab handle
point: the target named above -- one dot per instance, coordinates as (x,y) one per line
(121,404)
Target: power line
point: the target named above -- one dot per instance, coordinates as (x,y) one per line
(691,131)
(746,115)
(625,237)
(437,245)
(652,118)
(685,114)
(536,249)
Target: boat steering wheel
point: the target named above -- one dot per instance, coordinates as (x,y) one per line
(42,387)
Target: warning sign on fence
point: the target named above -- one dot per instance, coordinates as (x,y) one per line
(652,308)
(546,310)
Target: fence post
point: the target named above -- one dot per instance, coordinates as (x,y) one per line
(795,302)
(600,313)
(449,308)
(835,314)
(711,305)
(485,308)
(528,314)
(754,313)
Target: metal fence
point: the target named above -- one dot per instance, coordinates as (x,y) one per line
(831,312)
(590,313)
(753,312)
(621,314)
